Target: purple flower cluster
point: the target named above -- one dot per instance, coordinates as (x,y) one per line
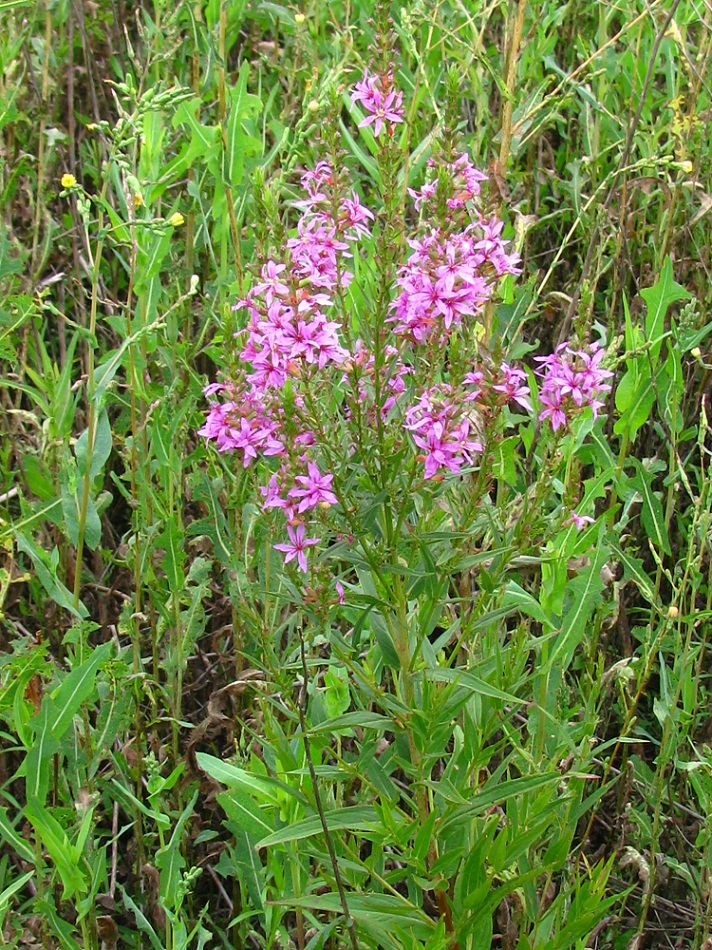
(379,98)
(440,427)
(464,181)
(292,345)
(448,277)
(572,379)
(241,424)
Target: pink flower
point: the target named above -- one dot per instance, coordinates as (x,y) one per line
(380,100)
(438,426)
(296,546)
(316,490)
(340,591)
(573,379)
(580,520)
(513,386)
(244,427)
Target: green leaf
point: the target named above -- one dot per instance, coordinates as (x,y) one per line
(39,757)
(337,696)
(353,818)
(515,596)
(57,845)
(13,888)
(239,143)
(378,913)
(18,844)
(471,682)
(635,408)
(101,448)
(266,790)
(241,808)
(142,921)
(171,540)
(651,514)
(60,928)
(658,298)
(170,860)
(46,570)
(584,592)
(75,689)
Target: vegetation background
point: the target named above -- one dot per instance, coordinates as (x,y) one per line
(152,718)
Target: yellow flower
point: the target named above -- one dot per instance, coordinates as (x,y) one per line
(176,219)
(138,200)
(299,18)
(68,181)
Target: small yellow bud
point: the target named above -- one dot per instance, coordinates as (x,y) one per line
(299,18)
(696,352)
(138,200)
(672,611)
(313,105)
(686,166)
(92,127)
(176,219)
(68,181)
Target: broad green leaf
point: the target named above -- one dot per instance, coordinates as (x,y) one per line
(337,696)
(142,922)
(239,143)
(171,540)
(658,298)
(75,689)
(498,792)
(516,597)
(637,409)
(39,758)
(362,720)
(241,808)
(353,818)
(633,570)
(101,448)
(47,574)
(162,821)
(376,912)
(584,592)
(61,930)
(471,682)
(265,790)
(13,888)
(651,514)
(55,841)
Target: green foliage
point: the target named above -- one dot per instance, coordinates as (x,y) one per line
(500,738)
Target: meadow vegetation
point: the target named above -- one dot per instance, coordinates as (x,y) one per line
(355,510)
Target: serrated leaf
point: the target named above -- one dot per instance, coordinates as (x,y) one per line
(239,143)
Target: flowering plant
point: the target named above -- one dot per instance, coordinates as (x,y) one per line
(399,454)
